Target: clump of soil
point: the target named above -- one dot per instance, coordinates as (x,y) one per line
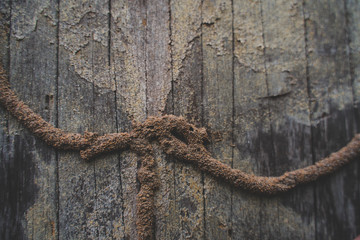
(177,138)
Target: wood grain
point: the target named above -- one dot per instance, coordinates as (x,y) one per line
(353,31)
(29,165)
(217,45)
(251,115)
(128,53)
(287,94)
(186,102)
(276,83)
(108,211)
(332,115)
(80,36)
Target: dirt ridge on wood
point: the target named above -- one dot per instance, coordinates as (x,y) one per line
(177,138)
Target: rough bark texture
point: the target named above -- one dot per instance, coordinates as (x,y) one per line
(276,84)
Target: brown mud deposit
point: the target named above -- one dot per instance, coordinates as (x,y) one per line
(177,138)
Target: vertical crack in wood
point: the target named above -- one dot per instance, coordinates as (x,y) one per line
(57,177)
(309,108)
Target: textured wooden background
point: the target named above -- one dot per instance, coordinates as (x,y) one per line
(276,83)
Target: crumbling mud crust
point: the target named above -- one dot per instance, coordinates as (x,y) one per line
(177,138)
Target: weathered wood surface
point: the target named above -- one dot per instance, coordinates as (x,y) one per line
(332,94)
(28,172)
(186,95)
(275,82)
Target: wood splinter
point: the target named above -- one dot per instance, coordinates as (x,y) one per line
(177,138)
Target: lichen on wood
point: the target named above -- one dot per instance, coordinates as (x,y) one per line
(177,138)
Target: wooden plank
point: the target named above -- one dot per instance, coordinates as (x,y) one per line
(166,220)
(102,87)
(128,29)
(5,18)
(158,87)
(9,225)
(290,118)
(30,166)
(353,31)
(217,45)
(158,81)
(353,21)
(332,115)
(81,30)
(251,122)
(4,60)
(188,215)
(108,212)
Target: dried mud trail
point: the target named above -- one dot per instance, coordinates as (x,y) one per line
(177,138)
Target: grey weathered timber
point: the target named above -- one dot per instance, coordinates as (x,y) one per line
(158,58)
(353,34)
(331,96)
(8,209)
(28,165)
(353,31)
(218,99)
(251,116)
(275,83)
(288,104)
(158,87)
(83,37)
(128,32)
(5,201)
(186,100)
(108,189)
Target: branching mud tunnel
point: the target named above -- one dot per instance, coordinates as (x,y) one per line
(177,138)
